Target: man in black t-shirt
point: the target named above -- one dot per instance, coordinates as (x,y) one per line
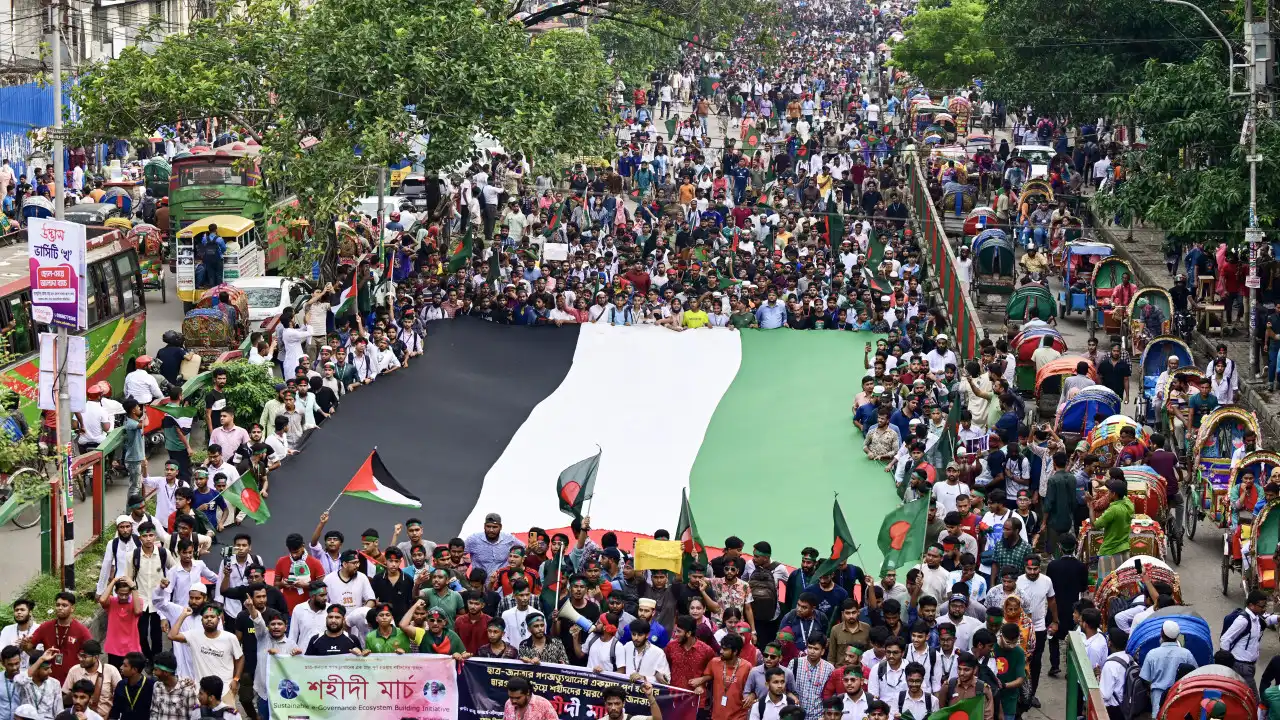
(587,609)
(212,396)
(335,640)
(1114,373)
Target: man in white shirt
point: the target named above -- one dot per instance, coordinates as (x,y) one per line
(771,705)
(855,697)
(96,421)
(1243,637)
(889,677)
(214,652)
(307,620)
(946,493)
(350,588)
(941,355)
(1113,671)
(935,580)
(363,361)
(1036,590)
(140,384)
(640,659)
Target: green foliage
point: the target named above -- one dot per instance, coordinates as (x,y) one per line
(248,390)
(945,45)
(1069,57)
(635,52)
(1192,180)
(365,78)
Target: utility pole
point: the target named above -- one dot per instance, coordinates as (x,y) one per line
(64,395)
(1257,49)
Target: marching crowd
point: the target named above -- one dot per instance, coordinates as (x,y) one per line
(687,231)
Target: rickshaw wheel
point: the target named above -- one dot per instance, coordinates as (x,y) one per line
(1175,549)
(1226,571)
(1192,512)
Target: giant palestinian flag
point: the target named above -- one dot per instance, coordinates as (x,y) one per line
(754,425)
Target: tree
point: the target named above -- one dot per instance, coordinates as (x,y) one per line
(365,83)
(1070,57)
(1191,178)
(945,46)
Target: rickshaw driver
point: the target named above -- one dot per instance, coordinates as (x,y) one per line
(1033,263)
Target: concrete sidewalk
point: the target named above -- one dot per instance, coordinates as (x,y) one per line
(1144,252)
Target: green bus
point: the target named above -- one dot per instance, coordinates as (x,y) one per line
(220,181)
(117,323)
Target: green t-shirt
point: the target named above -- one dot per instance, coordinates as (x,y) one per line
(1201,406)
(450,604)
(742,320)
(1271,701)
(449,644)
(1116,523)
(1010,665)
(377,644)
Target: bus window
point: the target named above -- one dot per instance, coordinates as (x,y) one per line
(15,326)
(130,282)
(102,275)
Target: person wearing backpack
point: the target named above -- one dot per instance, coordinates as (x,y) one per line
(210,698)
(1242,635)
(1160,666)
(770,706)
(116,557)
(763,576)
(914,699)
(966,685)
(1114,671)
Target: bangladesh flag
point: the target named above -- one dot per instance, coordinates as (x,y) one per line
(243,495)
(460,253)
(902,535)
(967,709)
(841,547)
(752,140)
(504,430)
(576,485)
(691,541)
(835,223)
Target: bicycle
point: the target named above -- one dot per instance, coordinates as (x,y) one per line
(29,515)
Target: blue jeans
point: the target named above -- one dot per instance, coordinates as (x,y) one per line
(264,709)
(1273,357)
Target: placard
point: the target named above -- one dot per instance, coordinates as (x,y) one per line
(75,375)
(555,251)
(377,687)
(56,258)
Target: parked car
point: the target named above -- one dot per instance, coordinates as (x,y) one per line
(268,296)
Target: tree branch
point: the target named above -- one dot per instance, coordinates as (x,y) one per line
(553,11)
(635,23)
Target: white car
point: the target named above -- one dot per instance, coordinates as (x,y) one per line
(1039,157)
(268,296)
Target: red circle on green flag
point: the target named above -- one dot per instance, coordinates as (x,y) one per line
(898,534)
(251,499)
(958,715)
(569,492)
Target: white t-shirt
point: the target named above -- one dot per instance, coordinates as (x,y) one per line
(215,655)
(603,654)
(855,709)
(648,662)
(945,494)
(1036,594)
(351,593)
(873,113)
(516,630)
(94,416)
(10,635)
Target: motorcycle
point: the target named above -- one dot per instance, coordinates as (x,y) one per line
(1184,324)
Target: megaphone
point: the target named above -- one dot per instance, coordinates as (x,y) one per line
(568,613)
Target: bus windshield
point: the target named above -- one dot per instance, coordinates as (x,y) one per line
(209,174)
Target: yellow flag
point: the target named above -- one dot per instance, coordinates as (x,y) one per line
(657,554)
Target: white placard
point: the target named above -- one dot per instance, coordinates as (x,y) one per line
(555,251)
(75,371)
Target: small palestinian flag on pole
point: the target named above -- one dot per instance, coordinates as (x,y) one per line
(347,300)
(576,485)
(967,709)
(243,495)
(375,483)
(687,533)
(181,414)
(841,547)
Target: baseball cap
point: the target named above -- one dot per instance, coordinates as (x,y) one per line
(493,518)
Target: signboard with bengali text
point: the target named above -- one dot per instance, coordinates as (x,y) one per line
(56,258)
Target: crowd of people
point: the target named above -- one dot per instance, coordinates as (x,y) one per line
(799,222)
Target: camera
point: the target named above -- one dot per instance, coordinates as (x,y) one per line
(228,552)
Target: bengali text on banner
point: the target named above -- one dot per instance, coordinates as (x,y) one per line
(575,693)
(377,687)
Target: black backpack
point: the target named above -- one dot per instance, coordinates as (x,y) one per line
(1135,701)
(928,701)
(137,560)
(764,590)
(1230,620)
(978,686)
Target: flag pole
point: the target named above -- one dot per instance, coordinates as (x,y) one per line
(335,500)
(555,604)
(586,508)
